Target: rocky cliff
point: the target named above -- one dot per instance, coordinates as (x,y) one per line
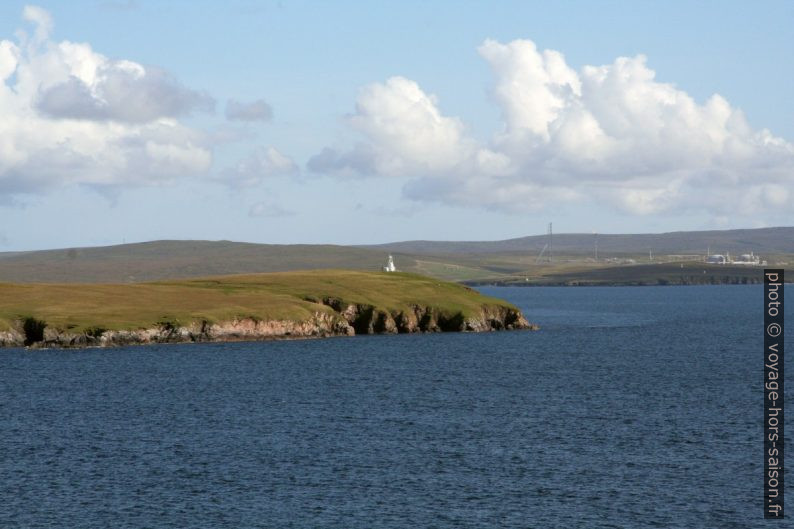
(343,320)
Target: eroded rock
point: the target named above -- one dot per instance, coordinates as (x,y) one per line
(345,320)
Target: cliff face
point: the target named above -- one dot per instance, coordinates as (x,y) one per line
(342,320)
(367,319)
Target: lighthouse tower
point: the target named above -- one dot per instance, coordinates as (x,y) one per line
(390,265)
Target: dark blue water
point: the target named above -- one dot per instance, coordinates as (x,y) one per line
(632,407)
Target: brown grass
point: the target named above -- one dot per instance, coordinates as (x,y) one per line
(275,296)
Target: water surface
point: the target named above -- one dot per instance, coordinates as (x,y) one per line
(632,407)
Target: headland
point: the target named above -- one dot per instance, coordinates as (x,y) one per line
(288,305)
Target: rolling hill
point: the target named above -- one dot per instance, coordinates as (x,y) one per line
(763,240)
(178,259)
(467,261)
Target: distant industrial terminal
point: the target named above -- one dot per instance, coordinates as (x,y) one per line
(746,259)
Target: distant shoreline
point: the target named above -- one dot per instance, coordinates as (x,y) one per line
(655,274)
(611,284)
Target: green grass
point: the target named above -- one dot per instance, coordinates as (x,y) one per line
(162,260)
(450,271)
(273,296)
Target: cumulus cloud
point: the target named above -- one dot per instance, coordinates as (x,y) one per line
(257,110)
(73,116)
(406,130)
(41,20)
(611,134)
(263,163)
(360,160)
(122,91)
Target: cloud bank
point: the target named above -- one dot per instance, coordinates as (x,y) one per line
(609,134)
(73,116)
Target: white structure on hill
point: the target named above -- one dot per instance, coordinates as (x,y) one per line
(749,259)
(746,259)
(390,265)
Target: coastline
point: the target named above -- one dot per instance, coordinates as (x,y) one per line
(351,322)
(669,274)
(586,283)
(293,305)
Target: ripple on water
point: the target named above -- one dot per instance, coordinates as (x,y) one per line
(632,407)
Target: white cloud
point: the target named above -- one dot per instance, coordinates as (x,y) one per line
(41,20)
(406,130)
(263,163)
(122,91)
(610,134)
(72,116)
(533,87)
(398,114)
(257,110)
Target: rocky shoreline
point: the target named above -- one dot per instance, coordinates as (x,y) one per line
(342,320)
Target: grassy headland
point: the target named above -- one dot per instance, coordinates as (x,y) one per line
(341,297)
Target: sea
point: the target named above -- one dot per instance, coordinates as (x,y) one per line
(631,407)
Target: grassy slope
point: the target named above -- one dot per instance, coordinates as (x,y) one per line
(456,261)
(761,240)
(263,296)
(159,260)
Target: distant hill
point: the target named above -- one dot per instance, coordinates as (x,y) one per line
(762,241)
(178,259)
(455,261)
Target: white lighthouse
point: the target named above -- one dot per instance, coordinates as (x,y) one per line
(390,265)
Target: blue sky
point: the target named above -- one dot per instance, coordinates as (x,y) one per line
(374,122)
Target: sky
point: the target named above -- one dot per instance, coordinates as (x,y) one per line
(357,123)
